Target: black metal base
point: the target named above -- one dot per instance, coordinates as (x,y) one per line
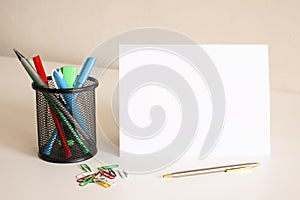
(70,160)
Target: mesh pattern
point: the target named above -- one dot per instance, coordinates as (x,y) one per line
(80,103)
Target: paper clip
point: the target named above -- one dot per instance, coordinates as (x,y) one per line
(123,174)
(86,180)
(79,180)
(85,174)
(85,167)
(105,180)
(108,167)
(101,183)
(105,174)
(112,171)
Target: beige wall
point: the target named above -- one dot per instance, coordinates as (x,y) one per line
(67,30)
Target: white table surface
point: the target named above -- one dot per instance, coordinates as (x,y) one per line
(24,175)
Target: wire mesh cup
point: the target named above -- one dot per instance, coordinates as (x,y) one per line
(66,122)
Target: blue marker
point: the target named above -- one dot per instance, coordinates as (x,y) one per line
(71,105)
(85,72)
(59,79)
(50,143)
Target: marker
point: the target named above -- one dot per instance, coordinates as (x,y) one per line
(39,68)
(48,148)
(59,79)
(69,98)
(70,75)
(85,72)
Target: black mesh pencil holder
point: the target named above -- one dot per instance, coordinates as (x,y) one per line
(66,122)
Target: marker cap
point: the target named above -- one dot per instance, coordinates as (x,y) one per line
(70,74)
(85,72)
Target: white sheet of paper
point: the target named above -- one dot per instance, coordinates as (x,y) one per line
(244,72)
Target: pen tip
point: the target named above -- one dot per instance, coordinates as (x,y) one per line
(19,55)
(167,176)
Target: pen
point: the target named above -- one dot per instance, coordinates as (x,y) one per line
(48,148)
(227,168)
(85,72)
(60,110)
(31,72)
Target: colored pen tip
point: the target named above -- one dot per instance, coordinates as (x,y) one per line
(167,176)
(19,55)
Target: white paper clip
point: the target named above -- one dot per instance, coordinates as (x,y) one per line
(84,175)
(123,174)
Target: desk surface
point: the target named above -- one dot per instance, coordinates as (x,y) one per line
(24,175)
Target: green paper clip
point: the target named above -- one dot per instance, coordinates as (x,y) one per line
(108,167)
(85,167)
(87,180)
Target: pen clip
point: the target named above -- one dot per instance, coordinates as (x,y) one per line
(237,169)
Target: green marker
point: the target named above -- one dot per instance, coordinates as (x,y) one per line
(70,74)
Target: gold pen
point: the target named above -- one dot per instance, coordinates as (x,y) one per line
(226,168)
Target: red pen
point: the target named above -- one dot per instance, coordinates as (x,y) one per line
(40,70)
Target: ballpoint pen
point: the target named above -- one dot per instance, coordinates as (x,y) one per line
(48,148)
(226,168)
(60,110)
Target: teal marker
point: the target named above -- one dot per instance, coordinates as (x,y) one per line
(85,72)
(70,74)
(69,98)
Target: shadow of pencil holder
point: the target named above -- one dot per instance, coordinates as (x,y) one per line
(72,136)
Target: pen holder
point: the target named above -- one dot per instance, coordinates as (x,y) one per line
(71,137)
